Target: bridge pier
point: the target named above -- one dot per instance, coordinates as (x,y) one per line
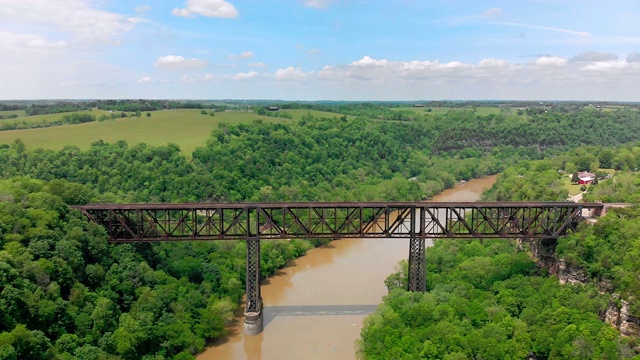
(417,253)
(253,315)
(417,265)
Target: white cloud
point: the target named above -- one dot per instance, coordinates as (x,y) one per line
(550,61)
(207,8)
(319,4)
(313,51)
(492,64)
(547,77)
(145,80)
(633,57)
(75,20)
(244,55)
(179,62)
(15,41)
(246,76)
(257,64)
(367,61)
(290,74)
(594,56)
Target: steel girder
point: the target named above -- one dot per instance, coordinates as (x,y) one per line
(254,298)
(176,222)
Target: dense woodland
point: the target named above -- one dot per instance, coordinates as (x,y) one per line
(68,294)
(488,300)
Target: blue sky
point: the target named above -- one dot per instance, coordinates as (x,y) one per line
(321,49)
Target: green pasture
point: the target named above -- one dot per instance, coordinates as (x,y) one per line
(572,189)
(47,118)
(186,128)
(20,113)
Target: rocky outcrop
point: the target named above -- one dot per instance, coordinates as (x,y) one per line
(617,314)
(570,274)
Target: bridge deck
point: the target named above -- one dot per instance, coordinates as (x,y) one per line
(206,221)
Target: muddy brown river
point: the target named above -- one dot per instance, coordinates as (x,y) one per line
(314,308)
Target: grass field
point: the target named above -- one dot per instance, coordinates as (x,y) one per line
(186,128)
(572,189)
(20,113)
(47,118)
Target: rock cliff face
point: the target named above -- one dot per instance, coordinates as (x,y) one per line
(617,314)
(619,317)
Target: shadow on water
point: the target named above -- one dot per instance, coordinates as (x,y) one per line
(271,312)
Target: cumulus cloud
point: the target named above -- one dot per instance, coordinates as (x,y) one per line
(244,55)
(544,77)
(594,56)
(176,62)
(246,76)
(75,19)
(207,8)
(319,4)
(257,64)
(367,61)
(492,64)
(290,74)
(633,57)
(550,61)
(145,80)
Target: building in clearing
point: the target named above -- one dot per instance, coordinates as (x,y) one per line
(586,178)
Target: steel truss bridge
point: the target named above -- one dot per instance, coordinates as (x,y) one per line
(416,221)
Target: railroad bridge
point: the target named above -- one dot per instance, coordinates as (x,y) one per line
(416,221)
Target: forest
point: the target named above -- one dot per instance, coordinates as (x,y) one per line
(68,294)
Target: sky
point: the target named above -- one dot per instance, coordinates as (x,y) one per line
(320,49)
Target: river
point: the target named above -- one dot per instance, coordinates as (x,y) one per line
(314,308)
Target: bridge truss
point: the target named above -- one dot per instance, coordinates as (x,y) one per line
(416,221)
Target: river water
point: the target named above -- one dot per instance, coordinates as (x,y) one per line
(314,308)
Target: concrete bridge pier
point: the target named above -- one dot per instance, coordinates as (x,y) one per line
(253,321)
(253,315)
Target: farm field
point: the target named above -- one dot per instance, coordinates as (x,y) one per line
(46,118)
(186,128)
(20,113)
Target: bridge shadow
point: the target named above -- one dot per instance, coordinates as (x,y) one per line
(271,312)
